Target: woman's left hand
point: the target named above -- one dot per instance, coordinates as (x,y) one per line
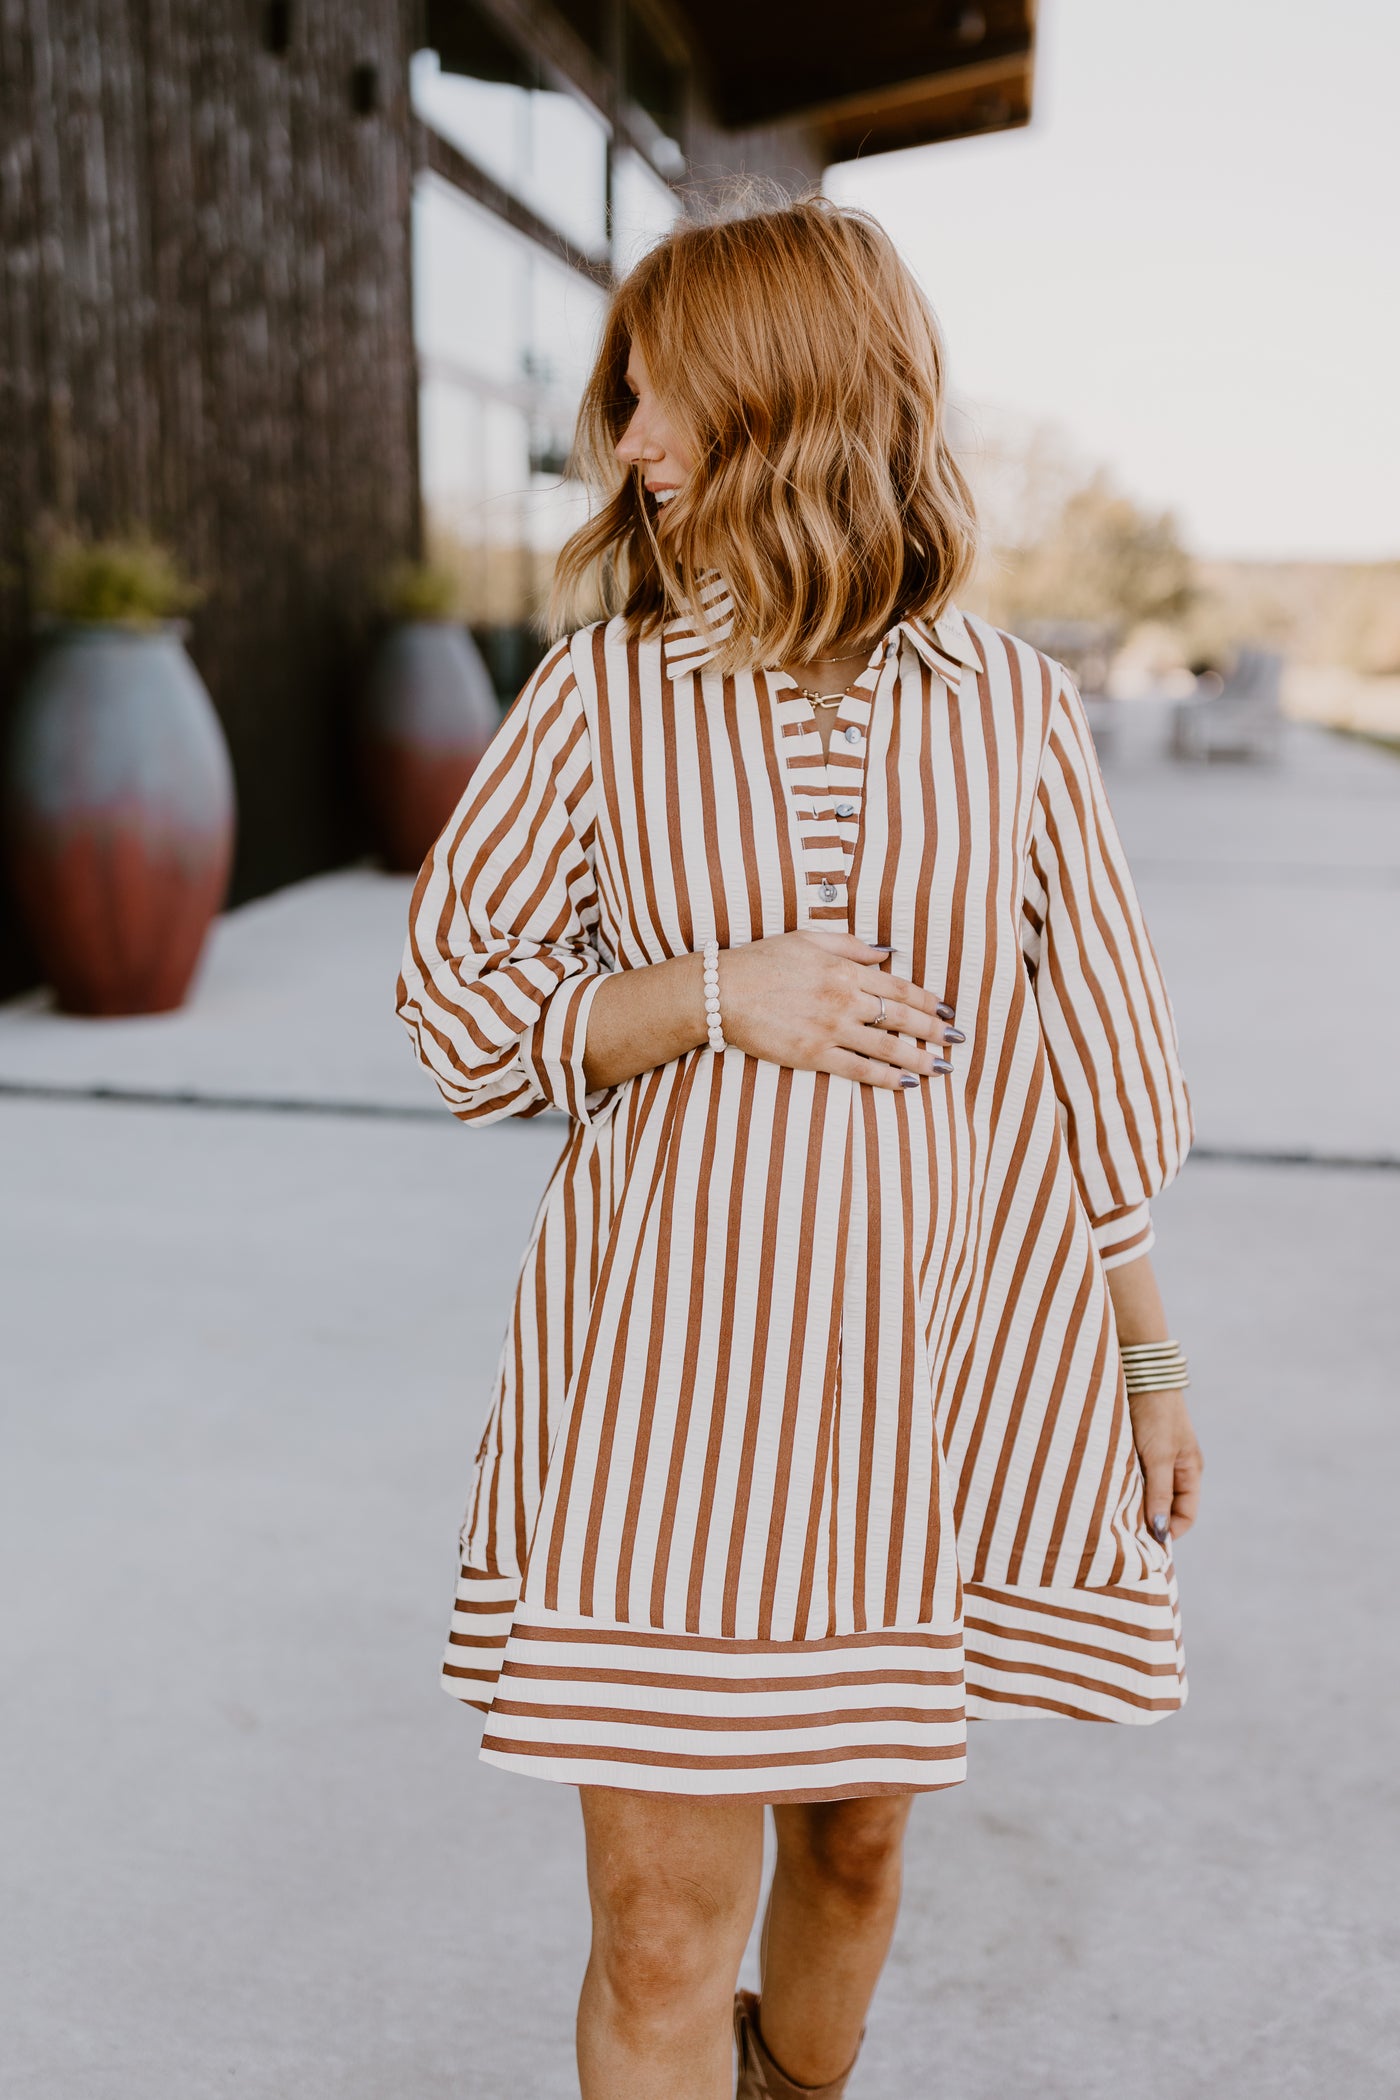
(1170,1458)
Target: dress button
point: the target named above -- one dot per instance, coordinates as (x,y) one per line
(845,809)
(853,734)
(828,892)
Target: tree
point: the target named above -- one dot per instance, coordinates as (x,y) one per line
(1061,542)
(1101,558)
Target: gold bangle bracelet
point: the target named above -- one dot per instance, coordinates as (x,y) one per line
(1154,1367)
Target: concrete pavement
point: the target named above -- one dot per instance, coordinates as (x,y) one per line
(247,1352)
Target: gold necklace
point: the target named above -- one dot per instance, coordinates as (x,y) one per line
(824,699)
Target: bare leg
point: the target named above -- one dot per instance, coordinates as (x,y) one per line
(673,1881)
(830,1918)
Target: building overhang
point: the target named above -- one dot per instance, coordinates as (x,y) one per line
(867,80)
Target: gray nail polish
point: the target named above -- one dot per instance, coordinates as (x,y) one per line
(944,1013)
(881,949)
(941,1064)
(908,1078)
(954,1035)
(1159,1529)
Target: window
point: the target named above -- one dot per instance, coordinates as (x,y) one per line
(506,325)
(506,336)
(644,207)
(471,285)
(550,149)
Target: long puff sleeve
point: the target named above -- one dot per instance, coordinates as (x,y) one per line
(1105,1014)
(500,968)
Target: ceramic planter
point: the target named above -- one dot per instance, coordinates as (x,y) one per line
(428,712)
(119,816)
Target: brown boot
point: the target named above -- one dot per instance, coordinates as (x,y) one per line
(759,2076)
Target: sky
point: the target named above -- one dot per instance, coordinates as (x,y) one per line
(1188,263)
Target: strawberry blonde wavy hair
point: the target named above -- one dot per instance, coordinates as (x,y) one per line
(796,354)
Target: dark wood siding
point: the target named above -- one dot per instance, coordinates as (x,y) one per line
(205,326)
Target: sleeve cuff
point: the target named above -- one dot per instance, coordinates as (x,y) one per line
(1124,1234)
(552,1051)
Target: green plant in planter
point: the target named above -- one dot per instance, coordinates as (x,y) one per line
(419,590)
(129,580)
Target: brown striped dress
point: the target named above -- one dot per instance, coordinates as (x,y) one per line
(808,1436)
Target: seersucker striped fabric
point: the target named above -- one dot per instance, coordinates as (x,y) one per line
(809,1435)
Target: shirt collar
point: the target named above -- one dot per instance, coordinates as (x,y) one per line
(945,644)
(948,639)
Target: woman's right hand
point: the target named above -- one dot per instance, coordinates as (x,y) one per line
(807,999)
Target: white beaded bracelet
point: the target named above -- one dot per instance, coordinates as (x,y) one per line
(710,951)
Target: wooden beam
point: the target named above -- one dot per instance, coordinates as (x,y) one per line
(442,158)
(1006,75)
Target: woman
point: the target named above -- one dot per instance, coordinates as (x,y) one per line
(798,891)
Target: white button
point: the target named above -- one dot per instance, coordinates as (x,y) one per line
(853,734)
(845,809)
(828,892)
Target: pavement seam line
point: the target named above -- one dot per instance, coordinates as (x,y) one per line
(406,1112)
